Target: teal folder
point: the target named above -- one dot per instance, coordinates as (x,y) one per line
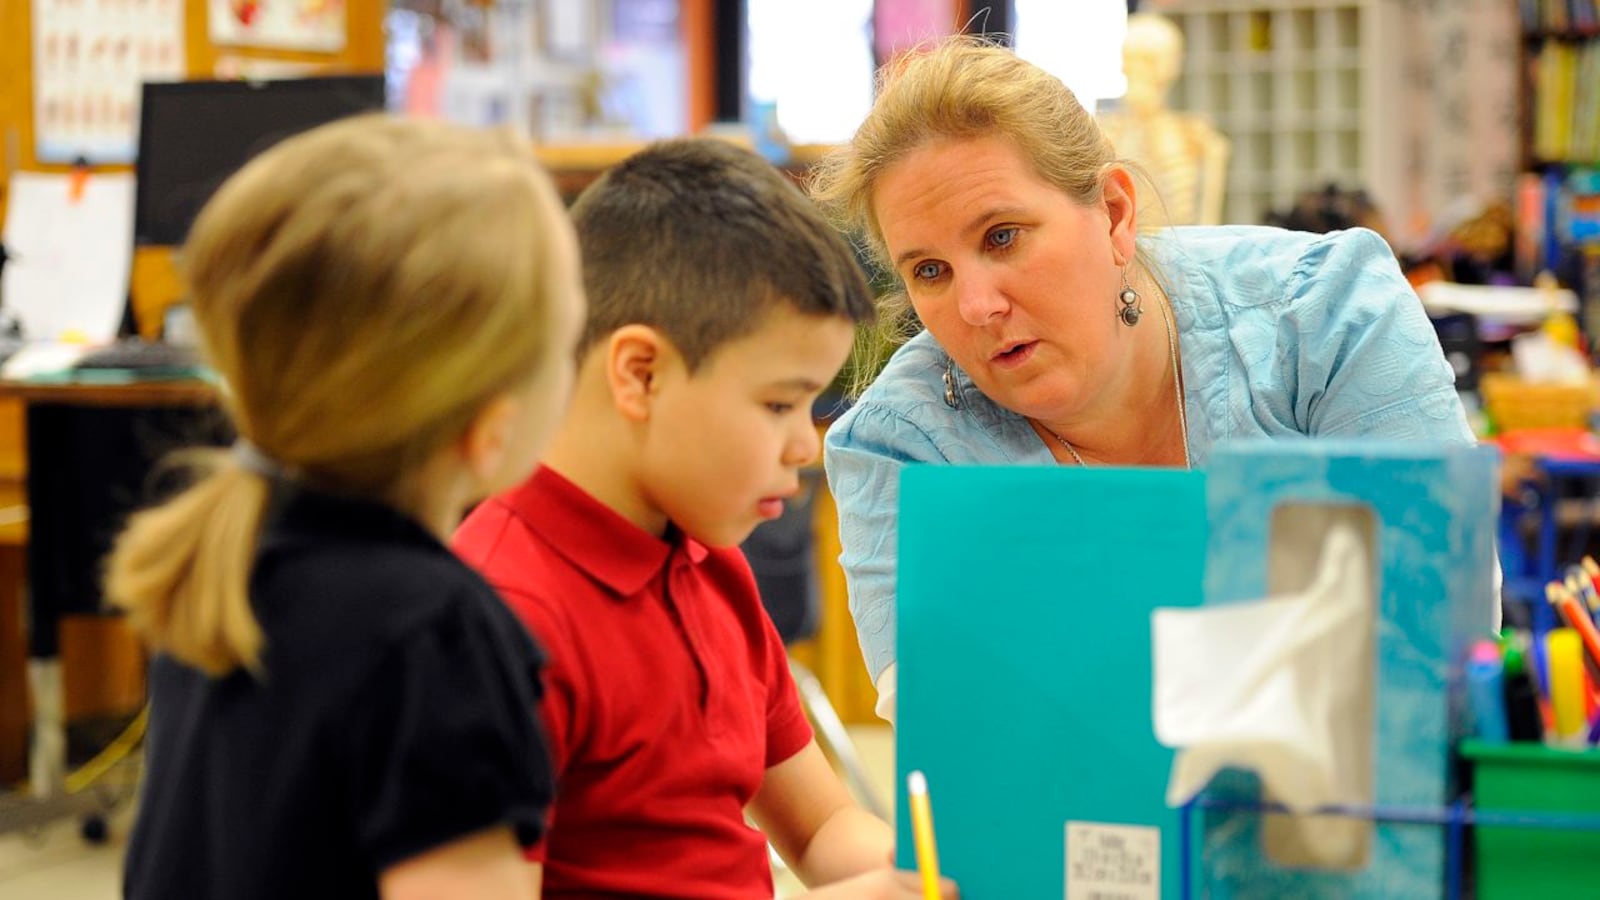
(1024,671)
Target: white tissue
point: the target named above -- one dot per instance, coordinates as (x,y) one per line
(1282,687)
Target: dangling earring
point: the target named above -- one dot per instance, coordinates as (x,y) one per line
(1129,310)
(951,398)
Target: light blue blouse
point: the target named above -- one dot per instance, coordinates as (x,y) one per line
(1281,333)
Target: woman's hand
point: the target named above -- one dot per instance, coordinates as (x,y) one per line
(883,884)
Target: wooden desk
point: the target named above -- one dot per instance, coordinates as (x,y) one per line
(90,450)
(187,392)
(117,429)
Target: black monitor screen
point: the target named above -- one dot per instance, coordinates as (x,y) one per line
(194,134)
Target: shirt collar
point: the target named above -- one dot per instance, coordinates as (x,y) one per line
(296,511)
(594,537)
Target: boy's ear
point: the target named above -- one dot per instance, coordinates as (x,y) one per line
(635,356)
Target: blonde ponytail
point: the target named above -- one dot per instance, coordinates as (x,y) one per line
(181,570)
(363,289)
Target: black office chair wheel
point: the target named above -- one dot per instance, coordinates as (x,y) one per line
(94,829)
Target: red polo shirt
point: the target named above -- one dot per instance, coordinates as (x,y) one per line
(667,694)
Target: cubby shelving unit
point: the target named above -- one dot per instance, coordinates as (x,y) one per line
(1305,89)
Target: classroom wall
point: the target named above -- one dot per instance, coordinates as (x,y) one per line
(155,284)
(363,52)
(16,84)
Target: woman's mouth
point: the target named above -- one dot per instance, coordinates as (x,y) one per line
(1014,355)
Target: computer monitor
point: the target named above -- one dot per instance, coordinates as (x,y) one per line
(194,134)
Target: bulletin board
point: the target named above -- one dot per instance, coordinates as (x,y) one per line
(154,283)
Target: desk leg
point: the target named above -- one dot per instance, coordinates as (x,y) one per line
(14,714)
(47,766)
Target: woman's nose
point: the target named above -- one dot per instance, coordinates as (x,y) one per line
(979,299)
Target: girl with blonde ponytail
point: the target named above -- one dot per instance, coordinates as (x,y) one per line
(339,707)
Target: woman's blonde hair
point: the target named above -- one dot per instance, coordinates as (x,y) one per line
(961,87)
(363,289)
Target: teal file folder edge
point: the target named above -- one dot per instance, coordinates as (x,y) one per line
(1040,710)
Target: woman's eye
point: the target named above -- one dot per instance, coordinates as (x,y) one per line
(926,271)
(1002,237)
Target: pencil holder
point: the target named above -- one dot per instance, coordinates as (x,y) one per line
(1520,863)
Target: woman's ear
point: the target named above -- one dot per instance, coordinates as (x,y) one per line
(634,358)
(1118,196)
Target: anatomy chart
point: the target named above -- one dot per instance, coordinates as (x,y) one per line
(89,57)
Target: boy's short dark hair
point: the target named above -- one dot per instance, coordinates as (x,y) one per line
(699,239)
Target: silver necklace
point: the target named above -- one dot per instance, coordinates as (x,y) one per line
(1177,391)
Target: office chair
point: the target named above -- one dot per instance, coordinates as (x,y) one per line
(782,553)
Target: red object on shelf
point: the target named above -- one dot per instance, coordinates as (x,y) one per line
(1557,443)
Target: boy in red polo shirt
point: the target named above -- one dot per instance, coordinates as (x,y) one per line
(720,305)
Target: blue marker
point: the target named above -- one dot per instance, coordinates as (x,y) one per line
(1544,620)
(1486,692)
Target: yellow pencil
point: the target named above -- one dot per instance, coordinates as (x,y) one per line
(922,834)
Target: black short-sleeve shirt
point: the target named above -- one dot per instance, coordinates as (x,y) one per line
(395,712)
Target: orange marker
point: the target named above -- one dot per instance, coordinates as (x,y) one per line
(1580,582)
(1577,618)
(1592,569)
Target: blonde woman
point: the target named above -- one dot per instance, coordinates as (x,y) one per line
(339,707)
(1057,332)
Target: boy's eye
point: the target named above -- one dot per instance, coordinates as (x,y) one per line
(1002,237)
(927,271)
(780,408)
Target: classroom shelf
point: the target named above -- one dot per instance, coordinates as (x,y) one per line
(1303,88)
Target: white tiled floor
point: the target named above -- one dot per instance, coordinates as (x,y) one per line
(55,863)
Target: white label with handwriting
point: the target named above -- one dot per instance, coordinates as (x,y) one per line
(1113,862)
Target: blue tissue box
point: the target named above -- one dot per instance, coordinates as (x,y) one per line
(1434,510)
